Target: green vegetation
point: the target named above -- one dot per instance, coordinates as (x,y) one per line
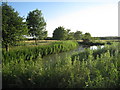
(109,38)
(13,26)
(30,53)
(92,43)
(86,37)
(102,66)
(70,35)
(23,66)
(102,72)
(36,24)
(78,35)
(60,33)
(96,53)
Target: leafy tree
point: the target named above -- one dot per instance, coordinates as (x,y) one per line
(36,24)
(60,33)
(70,35)
(78,35)
(87,37)
(13,26)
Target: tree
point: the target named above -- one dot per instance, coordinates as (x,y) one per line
(60,33)
(0,25)
(87,37)
(13,26)
(36,24)
(78,35)
(70,35)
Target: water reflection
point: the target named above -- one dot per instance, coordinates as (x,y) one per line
(63,55)
(97,47)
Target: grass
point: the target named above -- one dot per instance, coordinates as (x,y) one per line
(34,52)
(96,53)
(100,72)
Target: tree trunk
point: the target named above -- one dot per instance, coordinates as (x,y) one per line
(35,41)
(7,47)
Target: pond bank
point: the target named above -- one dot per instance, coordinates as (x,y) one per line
(94,43)
(32,53)
(62,55)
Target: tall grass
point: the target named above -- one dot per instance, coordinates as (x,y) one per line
(32,53)
(97,52)
(90,72)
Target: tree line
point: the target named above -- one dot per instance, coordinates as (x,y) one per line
(61,33)
(15,26)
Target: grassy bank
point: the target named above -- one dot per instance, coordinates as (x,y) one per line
(34,52)
(97,52)
(102,72)
(96,43)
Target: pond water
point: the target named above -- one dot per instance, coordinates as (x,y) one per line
(63,55)
(96,47)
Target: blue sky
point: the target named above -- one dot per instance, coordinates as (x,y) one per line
(51,10)
(98,18)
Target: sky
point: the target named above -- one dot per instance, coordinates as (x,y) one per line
(99,18)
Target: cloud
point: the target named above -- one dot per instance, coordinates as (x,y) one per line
(99,21)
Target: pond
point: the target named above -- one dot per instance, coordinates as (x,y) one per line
(63,55)
(96,47)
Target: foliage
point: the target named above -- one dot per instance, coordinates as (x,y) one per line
(102,72)
(60,33)
(70,36)
(78,35)
(86,37)
(13,26)
(36,24)
(103,65)
(96,53)
(109,38)
(29,52)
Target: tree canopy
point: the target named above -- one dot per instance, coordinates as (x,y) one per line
(78,35)
(86,37)
(60,33)
(36,24)
(13,26)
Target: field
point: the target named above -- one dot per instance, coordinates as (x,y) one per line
(23,67)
